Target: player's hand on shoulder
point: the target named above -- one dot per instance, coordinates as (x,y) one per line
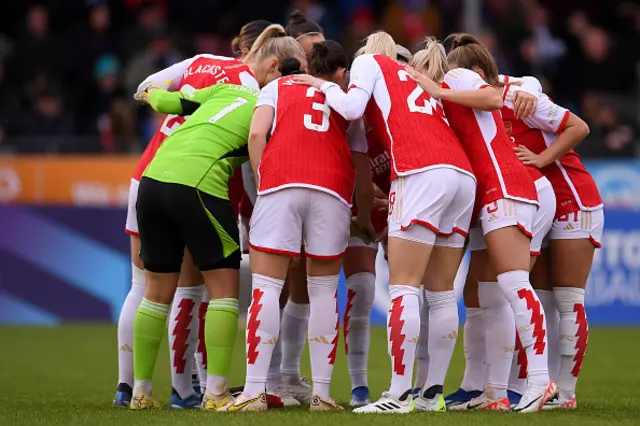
(308,80)
(430,86)
(524,104)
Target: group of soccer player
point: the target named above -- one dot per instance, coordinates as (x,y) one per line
(440,153)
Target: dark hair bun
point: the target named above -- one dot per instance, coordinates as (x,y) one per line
(297,17)
(463,40)
(289,66)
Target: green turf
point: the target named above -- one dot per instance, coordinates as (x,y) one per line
(67,376)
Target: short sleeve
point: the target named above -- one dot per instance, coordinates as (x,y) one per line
(364,73)
(549,116)
(268,95)
(529,84)
(357,136)
(247,79)
(464,79)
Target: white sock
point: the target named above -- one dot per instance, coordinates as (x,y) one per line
(422,351)
(500,337)
(183,337)
(323,331)
(403,330)
(361,288)
(263,326)
(274,378)
(295,322)
(443,332)
(574,337)
(530,322)
(125,326)
(519,369)
(553,352)
(201,349)
(475,368)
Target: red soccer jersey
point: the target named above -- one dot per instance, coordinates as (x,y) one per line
(379,162)
(406,118)
(498,172)
(308,145)
(196,73)
(574,187)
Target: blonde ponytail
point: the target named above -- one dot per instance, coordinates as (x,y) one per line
(271,32)
(432,60)
(380,43)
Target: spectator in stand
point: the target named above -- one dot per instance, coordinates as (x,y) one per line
(159,54)
(611,135)
(37,49)
(46,127)
(93,40)
(107,111)
(150,21)
(9,106)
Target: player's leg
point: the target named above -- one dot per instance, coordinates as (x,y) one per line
(539,277)
(213,240)
(509,255)
(126,319)
(161,250)
(573,245)
(183,335)
(442,325)
(293,332)
(130,306)
(440,299)
(359,270)
(275,235)
(326,235)
(475,368)
(413,227)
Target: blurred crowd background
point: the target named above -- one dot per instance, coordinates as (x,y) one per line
(68,68)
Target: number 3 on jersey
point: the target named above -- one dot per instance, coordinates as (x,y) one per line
(317,106)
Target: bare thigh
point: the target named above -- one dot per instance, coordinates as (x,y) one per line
(570,262)
(540,274)
(407,261)
(443,266)
(359,259)
(135,251)
(190,275)
(509,250)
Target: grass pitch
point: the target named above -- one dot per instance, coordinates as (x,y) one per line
(67,376)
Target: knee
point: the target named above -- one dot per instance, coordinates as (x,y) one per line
(491,296)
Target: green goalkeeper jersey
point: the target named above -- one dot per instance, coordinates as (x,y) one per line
(204,151)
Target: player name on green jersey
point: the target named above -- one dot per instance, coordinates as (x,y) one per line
(212,142)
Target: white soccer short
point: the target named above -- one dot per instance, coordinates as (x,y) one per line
(501,214)
(282,217)
(131,226)
(432,207)
(543,218)
(579,225)
(357,242)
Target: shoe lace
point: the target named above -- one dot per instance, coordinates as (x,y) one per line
(304,382)
(282,390)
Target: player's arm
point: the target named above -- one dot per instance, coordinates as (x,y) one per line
(552,118)
(173,74)
(525,98)
(249,182)
(260,125)
(179,103)
(463,87)
(350,105)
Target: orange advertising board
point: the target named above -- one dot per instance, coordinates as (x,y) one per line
(74,180)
